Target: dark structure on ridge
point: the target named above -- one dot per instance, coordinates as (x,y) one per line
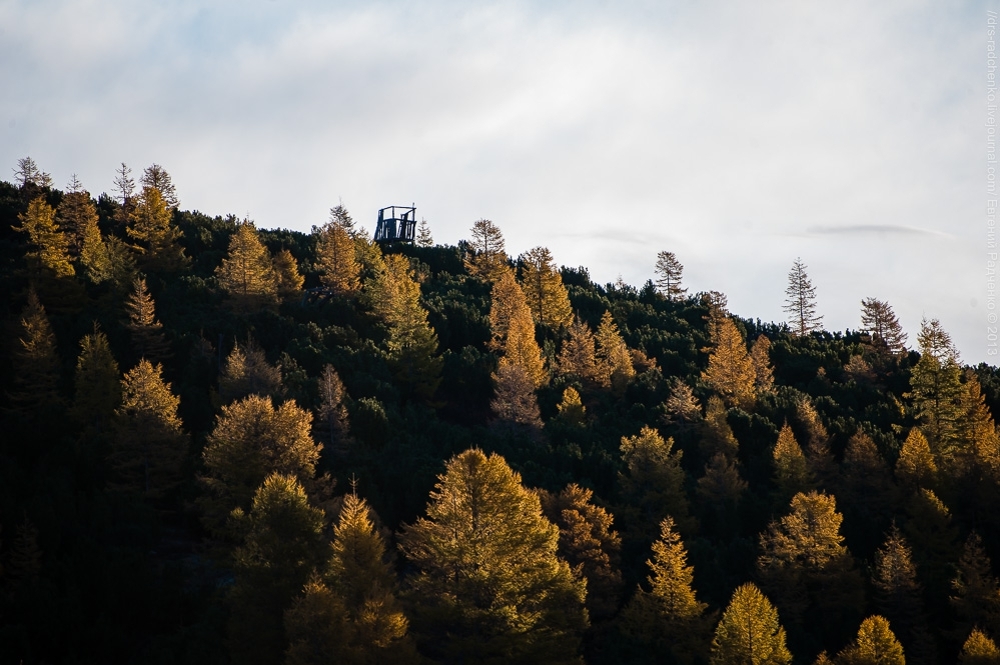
(396,224)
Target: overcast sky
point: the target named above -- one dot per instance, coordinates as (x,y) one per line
(737,135)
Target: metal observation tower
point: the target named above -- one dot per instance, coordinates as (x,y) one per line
(396,224)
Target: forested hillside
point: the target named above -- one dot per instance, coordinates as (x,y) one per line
(229,444)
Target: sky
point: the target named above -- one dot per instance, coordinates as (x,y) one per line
(740,136)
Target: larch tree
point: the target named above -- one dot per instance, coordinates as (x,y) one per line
(668,615)
(281,544)
(614,362)
(730,370)
(513,328)
(975,592)
(937,393)
(489,258)
(246,274)
(98,388)
(800,302)
(156,176)
(577,357)
(653,482)
(287,278)
(875,644)
(817,443)
(336,258)
(571,409)
(77,216)
(246,372)
(514,401)
(157,236)
(34,390)
(49,251)
(317,627)
(806,567)
(722,485)
(682,406)
(791,470)
(915,467)
(589,544)
(760,356)
(490,585)
(930,530)
(668,276)
(148,340)
(979,649)
(865,485)
(250,441)
(150,445)
(124,195)
(543,289)
(716,434)
(332,426)
(880,322)
(898,596)
(28,175)
(749,632)
(424,237)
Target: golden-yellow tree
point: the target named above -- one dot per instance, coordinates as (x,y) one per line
(791,471)
(876,644)
(98,389)
(749,632)
(288,279)
(577,357)
(246,274)
(147,332)
(77,216)
(730,370)
(543,289)
(157,236)
(915,467)
(514,330)
(614,361)
(488,258)
(49,251)
(653,482)
(336,259)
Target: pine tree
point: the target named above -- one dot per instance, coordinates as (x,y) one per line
(514,401)
(979,650)
(318,629)
(806,567)
(875,645)
(722,486)
(77,216)
(98,390)
(880,322)
(577,357)
(929,529)
(801,302)
(489,585)
(28,176)
(246,372)
(489,258)
(152,227)
(791,471)
(654,481)
(668,276)
(614,362)
(589,544)
(668,616)
(730,370)
(336,259)
(898,596)
(332,426)
(817,448)
(716,435)
(681,406)
(156,176)
(975,593)
(543,289)
(760,356)
(125,190)
(34,389)
(49,245)
(749,632)
(250,441)
(571,410)
(281,544)
(937,393)
(865,486)
(513,328)
(150,445)
(147,332)
(288,280)
(246,274)
(915,467)
(424,237)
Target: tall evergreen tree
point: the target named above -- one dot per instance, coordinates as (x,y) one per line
(490,585)
(332,426)
(577,357)
(34,386)
(77,216)
(147,332)
(937,393)
(514,401)
(49,253)
(246,372)
(749,632)
(156,176)
(898,596)
(653,483)
(614,362)
(915,467)
(791,471)
(880,322)
(424,237)
(513,328)
(98,390)
(760,356)
(543,289)
(876,644)
(668,276)
(337,261)
(246,274)
(979,649)
(730,370)
(152,227)
(488,259)
(975,595)
(800,302)
(288,280)
(124,195)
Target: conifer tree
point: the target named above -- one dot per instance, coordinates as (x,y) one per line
(28,176)
(150,445)
(571,409)
(614,362)
(489,258)
(490,585)
(879,321)
(281,544)
(668,616)
(513,329)
(978,454)
(749,632)
(716,435)
(730,370)
(246,372)
(288,280)
(588,543)
(760,356)
(125,195)
(915,467)
(147,332)
(681,406)
(49,251)
(34,390)
(424,237)
(875,645)
(721,486)
(336,259)
(791,471)
(152,227)
(156,176)
(77,216)
(317,627)
(94,255)
(975,593)
(668,276)
(98,390)
(654,481)
(246,274)
(543,289)
(514,401)
(979,650)
(341,218)
(865,486)
(817,445)
(800,302)
(898,596)
(577,357)
(937,392)
(252,440)
(929,529)
(805,565)
(332,426)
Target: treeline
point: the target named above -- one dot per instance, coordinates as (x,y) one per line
(265,446)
